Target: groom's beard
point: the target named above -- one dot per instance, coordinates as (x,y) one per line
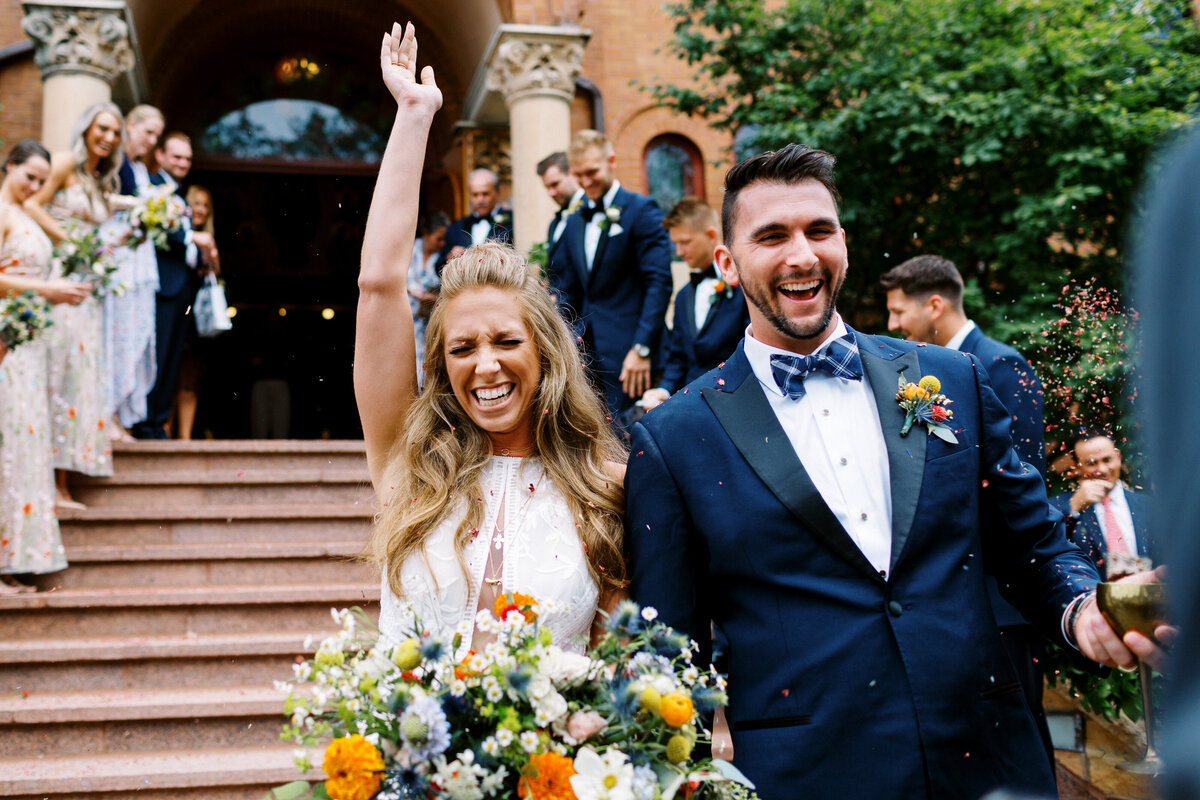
(766,301)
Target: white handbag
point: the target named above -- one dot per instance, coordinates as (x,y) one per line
(210,309)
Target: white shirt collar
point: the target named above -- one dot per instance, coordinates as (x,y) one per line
(956,340)
(759,354)
(611,193)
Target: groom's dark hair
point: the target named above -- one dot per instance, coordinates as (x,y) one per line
(791,165)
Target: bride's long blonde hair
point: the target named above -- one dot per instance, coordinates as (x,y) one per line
(435,467)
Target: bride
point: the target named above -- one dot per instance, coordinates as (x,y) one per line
(503,475)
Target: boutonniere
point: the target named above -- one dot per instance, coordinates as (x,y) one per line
(611,220)
(500,219)
(923,402)
(574,207)
(722,289)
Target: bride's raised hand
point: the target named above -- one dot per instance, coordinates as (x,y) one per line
(398,61)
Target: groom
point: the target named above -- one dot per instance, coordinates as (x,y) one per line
(843,561)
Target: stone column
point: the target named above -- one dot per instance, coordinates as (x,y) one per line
(82,46)
(534,68)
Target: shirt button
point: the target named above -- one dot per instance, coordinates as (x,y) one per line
(864,516)
(843,462)
(895,609)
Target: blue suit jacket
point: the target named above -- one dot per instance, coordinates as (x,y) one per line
(128,180)
(1017,385)
(459,234)
(622,300)
(693,352)
(896,687)
(1084,528)
(174,275)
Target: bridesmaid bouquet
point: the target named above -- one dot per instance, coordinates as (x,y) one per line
(160,213)
(85,257)
(22,318)
(522,719)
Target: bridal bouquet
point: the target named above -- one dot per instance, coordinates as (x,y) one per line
(522,719)
(86,257)
(22,317)
(159,213)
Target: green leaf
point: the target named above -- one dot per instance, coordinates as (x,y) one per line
(290,791)
(944,433)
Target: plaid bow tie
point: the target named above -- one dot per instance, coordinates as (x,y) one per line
(840,360)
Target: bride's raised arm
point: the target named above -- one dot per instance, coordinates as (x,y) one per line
(385,375)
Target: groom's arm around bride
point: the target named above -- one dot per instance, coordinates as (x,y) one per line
(843,560)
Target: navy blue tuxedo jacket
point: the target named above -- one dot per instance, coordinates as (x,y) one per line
(552,246)
(459,234)
(896,687)
(174,275)
(1084,528)
(695,351)
(128,181)
(1017,385)
(622,300)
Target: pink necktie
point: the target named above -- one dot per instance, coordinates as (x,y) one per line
(1112,530)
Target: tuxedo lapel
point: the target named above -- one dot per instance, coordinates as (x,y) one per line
(601,246)
(575,233)
(748,419)
(906,455)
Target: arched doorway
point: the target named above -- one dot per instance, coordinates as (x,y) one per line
(288,119)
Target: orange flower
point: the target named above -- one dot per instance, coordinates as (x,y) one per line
(675,709)
(547,776)
(81,347)
(71,412)
(461,671)
(27,509)
(100,424)
(354,767)
(515,601)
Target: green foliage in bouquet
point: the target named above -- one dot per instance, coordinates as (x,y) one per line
(539,256)
(85,257)
(156,216)
(22,318)
(522,719)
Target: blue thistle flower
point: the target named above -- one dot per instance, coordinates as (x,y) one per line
(432,649)
(626,618)
(518,678)
(707,699)
(667,642)
(625,698)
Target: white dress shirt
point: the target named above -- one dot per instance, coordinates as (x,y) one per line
(592,231)
(835,432)
(960,336)
(1120,509)
(563,216)
(706,294)
(480,231)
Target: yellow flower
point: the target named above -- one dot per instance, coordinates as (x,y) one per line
(911,392)
(407,655)
(649,699)
(547,776)
(931,384)
(679,747)
(676,709)
(354,767)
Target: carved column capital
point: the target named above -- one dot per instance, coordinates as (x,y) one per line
(79,37)
(536,62)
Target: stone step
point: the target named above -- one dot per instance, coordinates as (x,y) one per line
(172,487)
(175,610)
(247,511)
(98,721)
(227,773)
(159,456)
(134,662)
(339,523)
(220,563)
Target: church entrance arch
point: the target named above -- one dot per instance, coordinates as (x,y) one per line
(288,120)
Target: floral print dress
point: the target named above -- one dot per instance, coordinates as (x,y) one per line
(78,383)
(29,535)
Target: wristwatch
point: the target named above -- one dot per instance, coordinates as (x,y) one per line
(642,350)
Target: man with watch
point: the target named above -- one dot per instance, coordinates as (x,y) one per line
(613,273)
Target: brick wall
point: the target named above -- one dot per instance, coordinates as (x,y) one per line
(20,83)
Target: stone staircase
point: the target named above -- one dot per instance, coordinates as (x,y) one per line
(197,572)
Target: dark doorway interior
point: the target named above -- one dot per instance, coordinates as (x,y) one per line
(289,253)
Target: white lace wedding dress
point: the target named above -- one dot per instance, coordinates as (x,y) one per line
(542,557)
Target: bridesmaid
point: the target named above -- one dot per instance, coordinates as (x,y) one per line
(29,537)
(75,196)
(196,351)
(128,318)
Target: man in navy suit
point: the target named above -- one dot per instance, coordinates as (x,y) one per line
(486,223)
(924,302)
(844,561)
(1104,517)
(613,273)
(710,314)
(176,290)
(555,172)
